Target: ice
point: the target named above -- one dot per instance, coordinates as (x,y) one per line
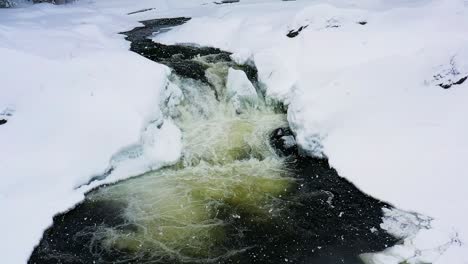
(240,90)
(363,95)
(73,96)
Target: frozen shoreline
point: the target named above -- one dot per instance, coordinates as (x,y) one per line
(363,88)
(372,101)
(74,96)
(242,192)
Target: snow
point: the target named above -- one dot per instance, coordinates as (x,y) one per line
(73,96)
(79,104)
(368,98)
(239,88)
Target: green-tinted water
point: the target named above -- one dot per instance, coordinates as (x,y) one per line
(228,165)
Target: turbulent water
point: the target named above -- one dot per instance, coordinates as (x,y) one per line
(241,193)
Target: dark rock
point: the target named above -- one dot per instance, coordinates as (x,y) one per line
(362,23)
(227,2)
(5,4)
(3,121)
(55,2)
(449,84)
(295,33)
(462,80)
(284,142)
(141,11)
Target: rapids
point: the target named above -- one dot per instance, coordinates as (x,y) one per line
(241,193)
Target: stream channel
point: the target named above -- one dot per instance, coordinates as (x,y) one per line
(243,191)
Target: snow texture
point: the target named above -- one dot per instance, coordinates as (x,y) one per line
(73,96)
(363,84)
(239,88)
(364,81)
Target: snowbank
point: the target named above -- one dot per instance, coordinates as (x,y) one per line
(362,80)
(72,96)
(364,85)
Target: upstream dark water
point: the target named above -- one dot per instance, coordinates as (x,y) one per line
(243,192)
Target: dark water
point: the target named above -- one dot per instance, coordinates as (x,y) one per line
(324,219)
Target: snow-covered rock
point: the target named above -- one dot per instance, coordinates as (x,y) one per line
(239,88)
(56,2)
(5,4)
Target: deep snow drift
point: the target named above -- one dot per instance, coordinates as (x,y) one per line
(366,82)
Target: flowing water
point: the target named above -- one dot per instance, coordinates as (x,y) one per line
(241,193)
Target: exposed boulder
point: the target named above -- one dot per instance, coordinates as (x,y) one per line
(295,32)
(453,73)
(55,2)
(5,4)
(11,3)
(226,2)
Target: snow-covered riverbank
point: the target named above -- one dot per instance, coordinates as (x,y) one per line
(362,79)
(74,95)
(366,88)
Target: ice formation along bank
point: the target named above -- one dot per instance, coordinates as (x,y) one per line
(241,193)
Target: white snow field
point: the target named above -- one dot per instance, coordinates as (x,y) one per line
(361,80)
(76,96)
